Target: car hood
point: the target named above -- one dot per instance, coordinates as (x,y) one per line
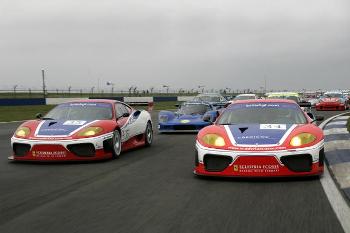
(258,134)
(62,128)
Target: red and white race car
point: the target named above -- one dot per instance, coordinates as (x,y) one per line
(333,101)
(82,130)
(261,138)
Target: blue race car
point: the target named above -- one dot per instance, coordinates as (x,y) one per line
(190,117)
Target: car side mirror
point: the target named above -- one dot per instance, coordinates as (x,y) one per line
(319,118)
(126,114)
(207,118)
(177,105)
(311,115)
(39,115)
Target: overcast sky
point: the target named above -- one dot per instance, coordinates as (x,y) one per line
(295,44)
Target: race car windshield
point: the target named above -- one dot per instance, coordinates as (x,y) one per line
(81,111)
(333,95)
(244,97)
(192,109)
(207,98)
(263,113)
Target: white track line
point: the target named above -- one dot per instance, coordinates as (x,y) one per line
(336,199)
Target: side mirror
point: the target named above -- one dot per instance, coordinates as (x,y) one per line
(207,118)
(177,105)
(311,115)
(319,118)
(126,114)
(39,115)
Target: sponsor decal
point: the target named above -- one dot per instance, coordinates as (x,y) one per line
(264,105)
(49,154)
(256,168)
(265,148)
(273,126)
(74,122)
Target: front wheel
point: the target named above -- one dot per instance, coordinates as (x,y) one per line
(117,144)
(148,134)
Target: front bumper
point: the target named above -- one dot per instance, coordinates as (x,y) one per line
(94,148)
(300,162)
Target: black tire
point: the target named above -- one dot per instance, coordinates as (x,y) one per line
(148,135)
(117,144)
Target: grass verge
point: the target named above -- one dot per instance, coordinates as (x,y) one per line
(18,113)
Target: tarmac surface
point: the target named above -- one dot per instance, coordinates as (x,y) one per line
(153,190)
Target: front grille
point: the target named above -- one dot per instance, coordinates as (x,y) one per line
(216,163)
(108,145)
(321,157)
(298,163)
(185,127)
(196,161)
(20,149)
(82,149)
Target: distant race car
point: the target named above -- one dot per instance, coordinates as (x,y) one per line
(215,99)
(245,97)
(284,95)
(333,101)
(82,130)
(261,138)
(311,97)
(190,117)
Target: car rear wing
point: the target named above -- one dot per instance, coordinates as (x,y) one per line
(150,105)
(305,104)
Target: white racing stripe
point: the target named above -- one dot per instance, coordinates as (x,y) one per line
(336,199)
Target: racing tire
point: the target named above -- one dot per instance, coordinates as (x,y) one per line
(117,144)
(148,135)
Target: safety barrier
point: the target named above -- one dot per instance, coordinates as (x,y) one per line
(55,101)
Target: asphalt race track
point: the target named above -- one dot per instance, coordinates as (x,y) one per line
(153,190)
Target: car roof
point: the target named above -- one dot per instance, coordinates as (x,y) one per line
(94,101)
(333,92)
(197,102)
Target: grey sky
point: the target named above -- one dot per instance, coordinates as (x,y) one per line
(182,43)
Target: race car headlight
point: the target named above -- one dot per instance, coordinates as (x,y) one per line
(90,131)
(22,132)
(214,140)
(302,139)
(163,118)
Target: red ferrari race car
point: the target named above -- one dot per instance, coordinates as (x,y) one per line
(333,101)
(261,138)
(82,130)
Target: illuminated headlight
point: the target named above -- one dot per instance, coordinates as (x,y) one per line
(90,131)
(163,118)
(22,132)
(214,140)
(302,139)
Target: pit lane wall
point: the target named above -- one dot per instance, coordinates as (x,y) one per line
(55,101)
(337,151)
